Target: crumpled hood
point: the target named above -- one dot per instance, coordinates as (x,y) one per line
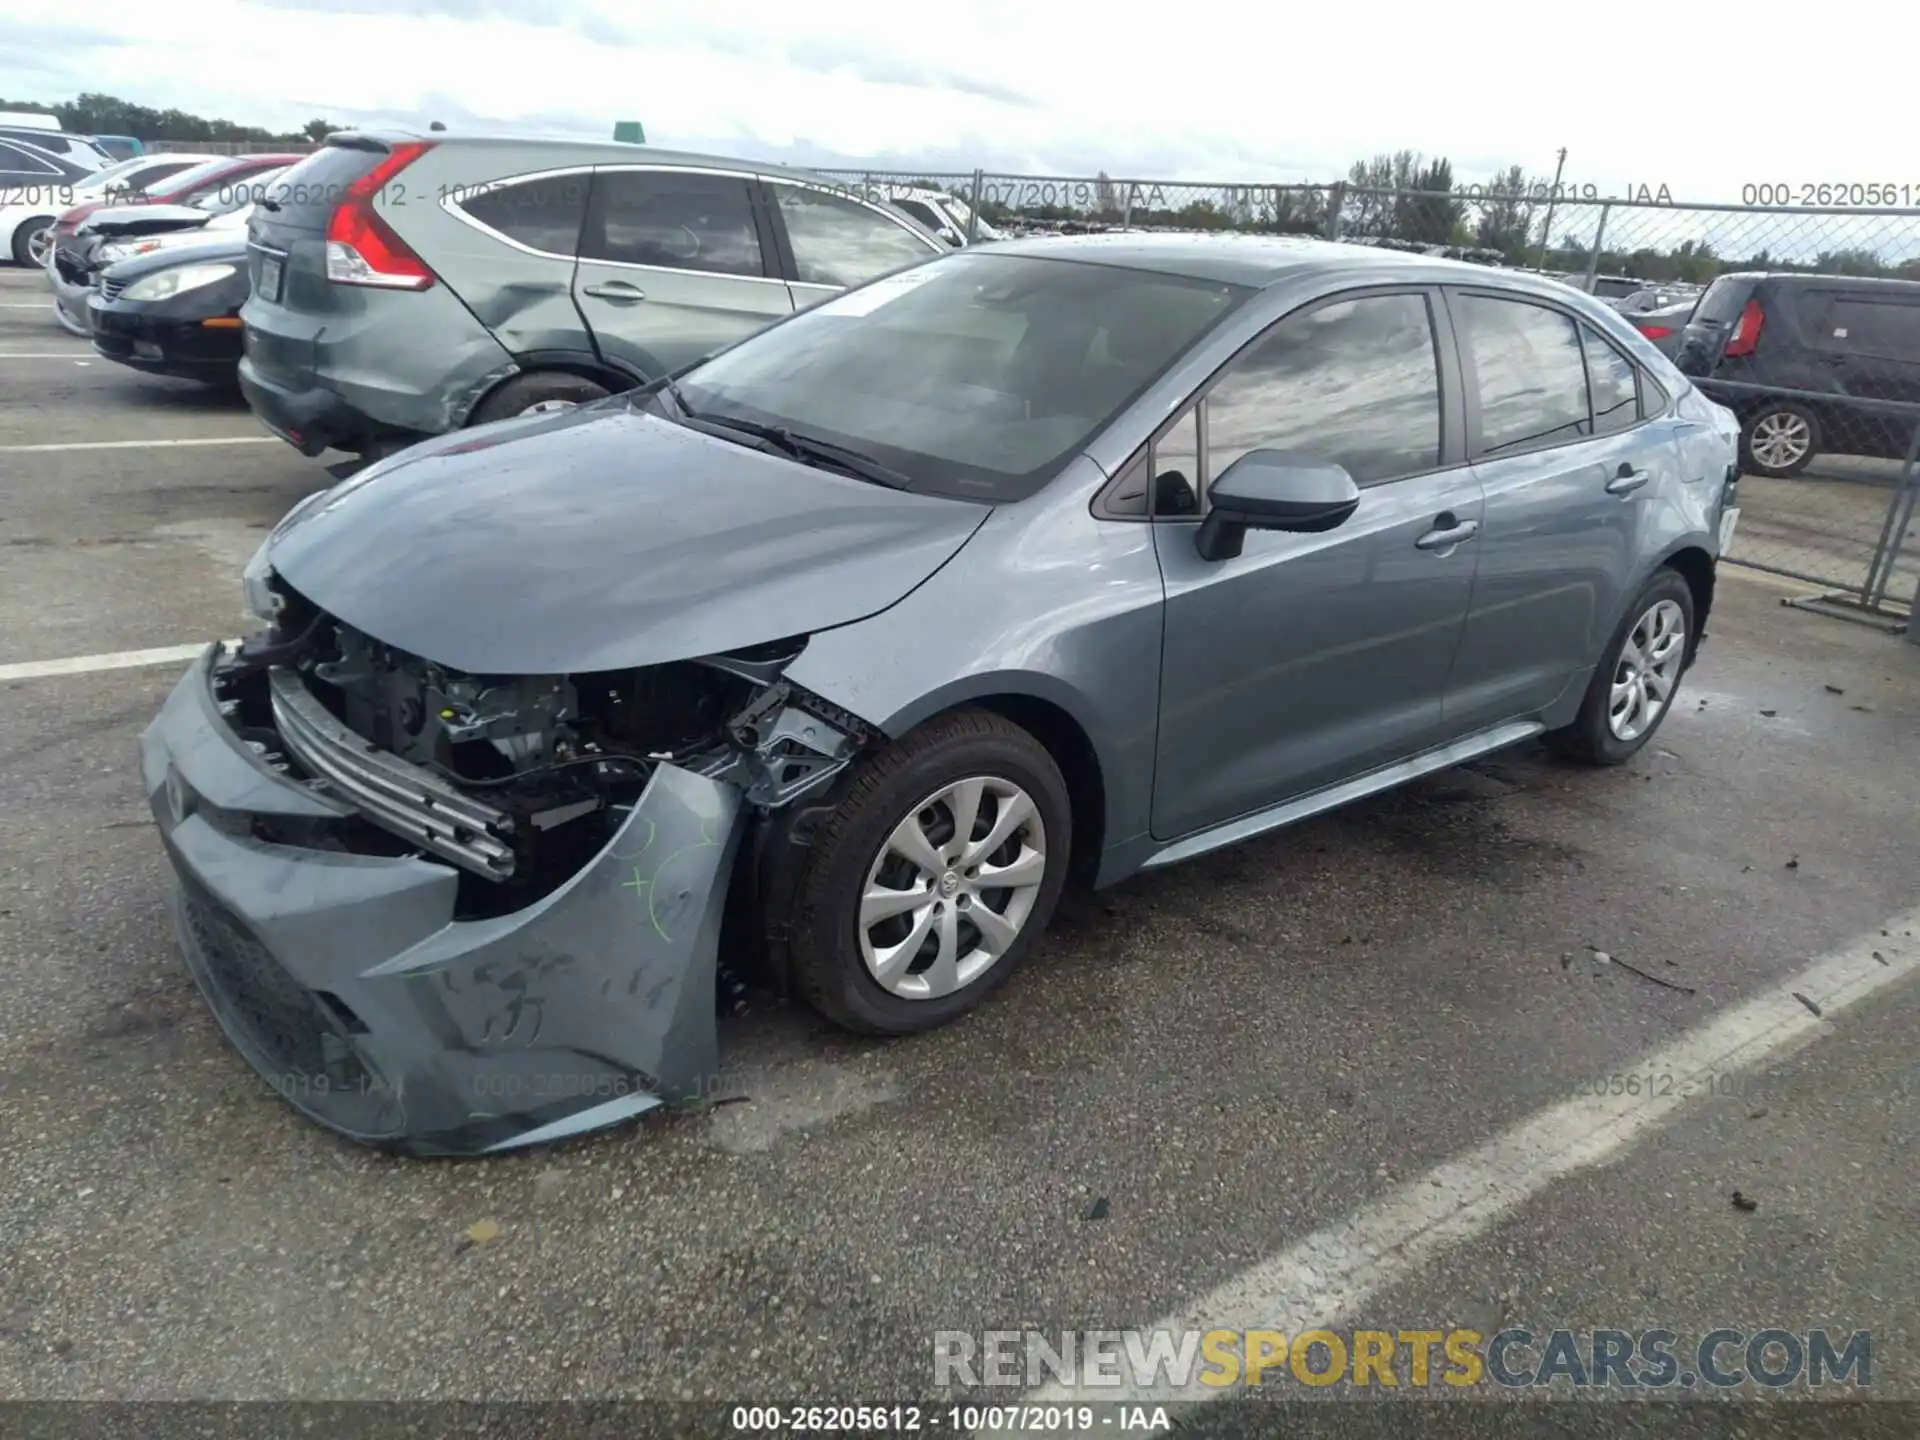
(142,220)
(603,539)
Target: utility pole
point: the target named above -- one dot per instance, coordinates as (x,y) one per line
(1553,198)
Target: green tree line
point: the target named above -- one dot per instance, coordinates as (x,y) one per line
(93,114)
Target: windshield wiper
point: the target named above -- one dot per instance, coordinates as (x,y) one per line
(671,385)
(812,449)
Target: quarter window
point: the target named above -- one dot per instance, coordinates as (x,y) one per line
(1532,381)
(1610,376)
(542,213)
(1354,382)
(837,241)
(675,220)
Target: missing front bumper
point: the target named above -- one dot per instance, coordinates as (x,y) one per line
(345,981)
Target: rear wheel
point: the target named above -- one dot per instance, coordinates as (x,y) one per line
(934,877)
(1779,438)
(32,241)
(1633,686)
(535,394)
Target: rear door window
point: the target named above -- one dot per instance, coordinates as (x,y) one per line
(837,241)
(1885,329)
(677,220)
(1532,380)
(542,212)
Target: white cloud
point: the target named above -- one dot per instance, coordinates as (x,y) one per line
(1202,89)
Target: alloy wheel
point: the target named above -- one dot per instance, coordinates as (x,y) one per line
(1648,670)
(40,246)
(951,888)
(1781,439)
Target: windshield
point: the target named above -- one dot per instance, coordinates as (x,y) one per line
(101,179)
(977,376)
(176,188)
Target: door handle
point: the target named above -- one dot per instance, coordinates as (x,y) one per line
(1447,533)
(616,290)
(1626,480)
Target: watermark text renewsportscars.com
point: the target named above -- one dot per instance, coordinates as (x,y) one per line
(1410,1359)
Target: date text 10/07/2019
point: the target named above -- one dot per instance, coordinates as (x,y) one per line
(953,1419)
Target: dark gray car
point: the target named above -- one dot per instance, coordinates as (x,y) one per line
(407,285)
(1049,557)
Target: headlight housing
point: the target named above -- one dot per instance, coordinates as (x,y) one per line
(163,284)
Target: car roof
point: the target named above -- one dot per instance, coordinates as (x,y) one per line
(606,152)
(1796,277)
(1262,260)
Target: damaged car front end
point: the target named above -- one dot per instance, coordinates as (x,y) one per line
(449,910)
(447,914)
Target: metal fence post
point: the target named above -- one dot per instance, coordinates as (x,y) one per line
(973,209)
(1336,194)
(1893,534)
(1599,235)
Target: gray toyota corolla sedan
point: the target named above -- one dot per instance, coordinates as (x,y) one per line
(845,650)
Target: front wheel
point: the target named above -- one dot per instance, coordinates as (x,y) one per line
(1633,685)
(932,879)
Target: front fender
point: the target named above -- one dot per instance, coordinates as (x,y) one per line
(1045,603)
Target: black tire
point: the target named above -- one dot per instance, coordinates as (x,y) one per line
(827,966)
(523,392)
(1590,737)
(23,238)
(1777,413)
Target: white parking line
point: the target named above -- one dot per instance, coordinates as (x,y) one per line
(1325,1278)
(13,305)
(49,355)
(88,664)
(139,444)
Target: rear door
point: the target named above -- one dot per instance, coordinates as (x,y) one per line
(674,265)
(830,242)
(1569,466)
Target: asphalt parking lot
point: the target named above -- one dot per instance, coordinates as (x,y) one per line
(1208,1074)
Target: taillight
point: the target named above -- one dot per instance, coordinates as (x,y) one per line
(1746,334)
(362,249)
(1654,332)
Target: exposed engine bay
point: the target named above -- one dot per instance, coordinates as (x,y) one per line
(519,780)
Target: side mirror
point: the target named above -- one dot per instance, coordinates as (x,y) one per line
(1274,490)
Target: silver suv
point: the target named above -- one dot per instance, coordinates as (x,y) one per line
(406,285)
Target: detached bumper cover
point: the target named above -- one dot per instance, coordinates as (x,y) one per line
(345,981)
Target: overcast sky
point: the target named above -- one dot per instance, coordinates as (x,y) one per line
(1202,89)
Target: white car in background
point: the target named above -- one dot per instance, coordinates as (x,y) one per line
(35,186)
(947,216)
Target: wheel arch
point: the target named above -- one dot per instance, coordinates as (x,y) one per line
(583,364)
(1053,714)
(1699,569)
